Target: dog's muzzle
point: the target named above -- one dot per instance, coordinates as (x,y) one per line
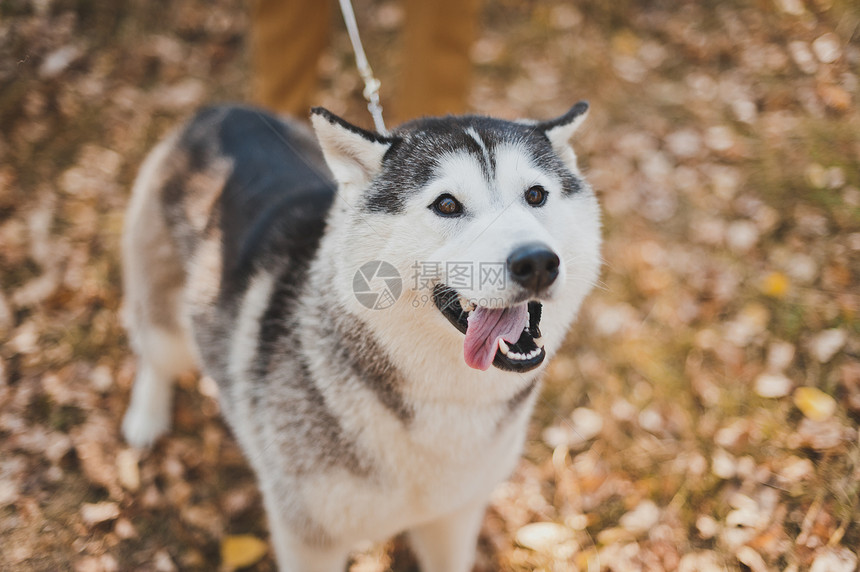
(525,354)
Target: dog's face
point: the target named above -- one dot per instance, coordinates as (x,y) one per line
(489,223)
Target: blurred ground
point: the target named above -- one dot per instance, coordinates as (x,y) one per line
(705,414)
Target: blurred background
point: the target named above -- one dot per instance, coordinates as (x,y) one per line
(704,413)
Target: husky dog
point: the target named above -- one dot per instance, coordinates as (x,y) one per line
(250,249)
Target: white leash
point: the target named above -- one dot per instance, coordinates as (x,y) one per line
(371,84)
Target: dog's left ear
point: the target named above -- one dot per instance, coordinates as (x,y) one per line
(561,129)
(353,154)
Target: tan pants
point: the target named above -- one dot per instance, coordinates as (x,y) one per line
(288,37)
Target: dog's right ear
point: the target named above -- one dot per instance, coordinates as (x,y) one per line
(353,154)
(560,130)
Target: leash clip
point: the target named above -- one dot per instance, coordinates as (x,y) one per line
(371,84)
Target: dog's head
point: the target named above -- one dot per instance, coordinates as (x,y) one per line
(489,223)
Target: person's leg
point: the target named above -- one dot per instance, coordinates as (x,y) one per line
(287,39)
(437,69)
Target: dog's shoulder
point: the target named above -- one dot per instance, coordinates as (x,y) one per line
(272,185)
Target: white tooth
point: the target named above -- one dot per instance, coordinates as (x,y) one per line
(516,356)
(503,346)
(539,342)
(466,304)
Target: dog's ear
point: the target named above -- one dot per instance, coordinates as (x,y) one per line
(353,154)
(561,129)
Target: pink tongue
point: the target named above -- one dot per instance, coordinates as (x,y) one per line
(486,326)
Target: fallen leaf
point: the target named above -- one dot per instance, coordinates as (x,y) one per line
(820,435)
(723,464)
(707,526)
(543,536)
(587,423)
(825,344)
(816,175)
(642,518)
(704,561)
(163,562)
(124,529)
(240,551)
(834,560)
(814,403)
(775,285)
(772,385)
(826,48)
(9,492)
(751,559)
(127,470)
(94,513)
(796,469)
(779,355)
(834,97)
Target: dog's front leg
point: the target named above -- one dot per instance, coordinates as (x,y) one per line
(448,544)
(296,555)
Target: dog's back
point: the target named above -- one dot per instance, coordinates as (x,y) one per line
(235,190)
(261,181)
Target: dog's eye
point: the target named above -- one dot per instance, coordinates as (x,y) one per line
(536,196)
(446,205)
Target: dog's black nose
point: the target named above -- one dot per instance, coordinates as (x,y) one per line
(533,266)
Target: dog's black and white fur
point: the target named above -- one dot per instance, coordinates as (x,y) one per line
(243,238)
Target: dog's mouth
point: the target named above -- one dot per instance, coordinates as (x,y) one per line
(508,338)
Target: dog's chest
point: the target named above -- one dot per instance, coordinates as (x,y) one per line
(445,459)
